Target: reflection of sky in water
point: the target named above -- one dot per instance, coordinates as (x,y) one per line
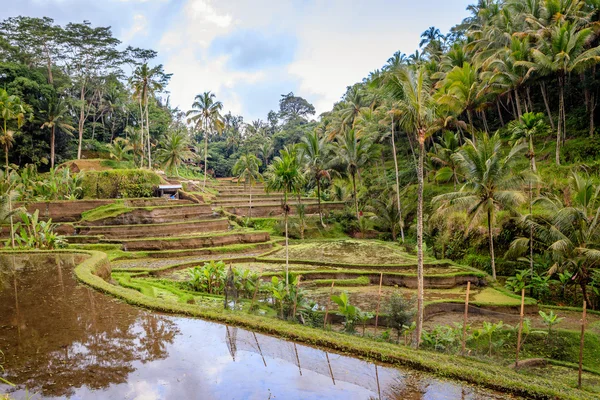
(85,340)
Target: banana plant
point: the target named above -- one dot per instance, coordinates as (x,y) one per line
(488,330)
(550,320)
(346,310)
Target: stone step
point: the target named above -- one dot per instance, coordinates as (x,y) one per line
(155,230)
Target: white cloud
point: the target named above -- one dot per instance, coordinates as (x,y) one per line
(139,25)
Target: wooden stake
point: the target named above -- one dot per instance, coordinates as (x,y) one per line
(581,344)
(378,387)
(464,332)
(330,369)
(296,297)
(520,326)
(327,306)
(378,302)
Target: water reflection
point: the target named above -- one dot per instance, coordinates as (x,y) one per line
(61,339)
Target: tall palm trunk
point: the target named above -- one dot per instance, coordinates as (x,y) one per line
(52,139)
(205,154)
(142,133)
(397,183)
(546,103)
(489,215)
(518,101)
(561,110)
(148,133)
(420,291)
(499,112)
(12,225)
(81,118)
(319,201)
(355,195)
(472,128)
(250,209)
(287,252)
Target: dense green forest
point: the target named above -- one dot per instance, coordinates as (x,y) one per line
(481,146)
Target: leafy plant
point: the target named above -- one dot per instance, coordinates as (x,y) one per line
(400,312)
(550,320)
(347,310)
(37,234)
(488,330)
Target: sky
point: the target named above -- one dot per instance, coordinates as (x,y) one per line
(250,52)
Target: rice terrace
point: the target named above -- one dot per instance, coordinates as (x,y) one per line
(281,204)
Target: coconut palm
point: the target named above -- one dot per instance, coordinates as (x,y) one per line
(146,81)
(247,168)
(119,149)
(205,113)
(173,149)
(354,154)
(284,175)
(443,155)
(411,90)
(55,116)
(490,184)
(316,153)
(524,129)
(563,50)
(12,116)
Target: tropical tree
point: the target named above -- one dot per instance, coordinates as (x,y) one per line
(246,169)
(354,154)
(563,50)
(316,154)
(524,129)
(173,149)
(205,113)
(146,81)
(490,184)
(12,115)
(119,149)
(412,91)
(55,116)
(444,156)
(284,175)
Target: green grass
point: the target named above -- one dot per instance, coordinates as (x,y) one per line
(468,369)
(108,211)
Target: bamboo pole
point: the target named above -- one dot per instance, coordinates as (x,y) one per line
(327,306)
(296,297)
(378,387)
(581,344)
(297,359)
(464,332)
(378,303)
(259,349)
(520,326)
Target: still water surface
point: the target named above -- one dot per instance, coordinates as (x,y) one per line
(61,339)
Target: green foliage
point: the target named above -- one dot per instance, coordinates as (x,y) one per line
(550,320)
(119,183)
(350,313)
(400,312)
(33,233)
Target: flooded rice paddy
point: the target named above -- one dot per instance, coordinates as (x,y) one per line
(60,339)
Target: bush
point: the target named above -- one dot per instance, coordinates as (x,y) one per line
(119,183)
(583,149)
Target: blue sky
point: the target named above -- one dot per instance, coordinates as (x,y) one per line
(249,52)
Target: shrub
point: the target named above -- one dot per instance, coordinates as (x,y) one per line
(400,313)
(119,183)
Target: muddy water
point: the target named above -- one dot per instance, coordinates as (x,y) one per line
(60,339)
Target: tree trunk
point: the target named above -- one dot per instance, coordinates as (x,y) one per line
(489,214)
(355,196)
(12,225)
(143,145)
(560,118)
(6,158)
(250,208)
(518,101)
(319,201)
(81,118)
(397,184)
(205,156)
(500,113)
(287,253)
(545,97)
(148,136)
(420,294)
(485,124)
(52,139)
(470,117)
(592,111)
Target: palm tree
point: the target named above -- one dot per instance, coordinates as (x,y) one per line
(571,231)
(246,168)
(119,149)
(412,91)
(562,52)
(174,148)
(523,130)
(354,154)
(443,155)
(490,184)
(56,116)
(147,81)
(316,152)
(206,115)
(12,115)
(284,175)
